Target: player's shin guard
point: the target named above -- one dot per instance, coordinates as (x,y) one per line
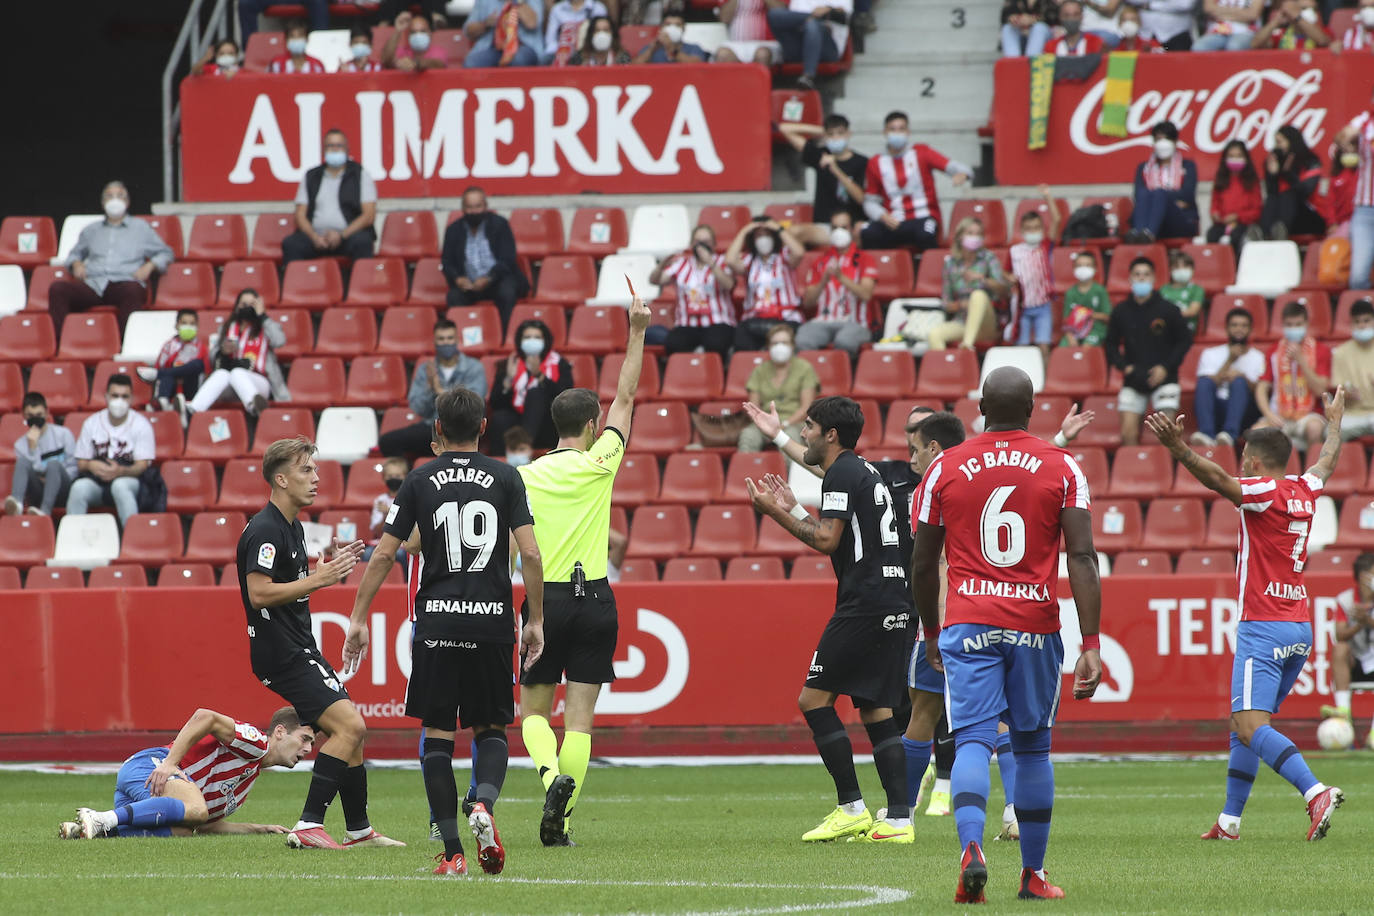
(917,759)
(832,743)
(1283,757)
(325,782)
(890,759)
(542,746)
(353,798)
(1006,766)
(150,813)
(969,780)
(442,791)
(489,766)
(1240,779)
(573,759)
(1034,794)
(944,749)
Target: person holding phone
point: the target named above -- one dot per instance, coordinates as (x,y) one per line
(705,313)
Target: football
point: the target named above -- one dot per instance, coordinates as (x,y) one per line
(1335,734)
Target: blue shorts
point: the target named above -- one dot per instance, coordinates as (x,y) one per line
(919,674)
(130,784)
(1269,657)
(1037,324)
(993,672)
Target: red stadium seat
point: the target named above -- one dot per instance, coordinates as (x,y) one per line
(217,238)
(428,285)
(1061,265)
(479,328)
(242,486)
(888,374)
(786,214)
(63,383)
(1185,484)
(661,428)
(968,411)
(240,275)
(583,368)
(168,228)
(930,273)
(191,486)
(693,377)
(54,577)
(754,569)
(26,540)
(1223,526)
(774,541)
(317,382)
(1318,305)
(143,392)
(567,279)
(1341,324)
(1105,430)
(896,277)
(725,531)
(1119,274)
(742,365)
(360,519)
(1116,524)
(330,492)
(808,568)
(946,375)
(151,539)
(659,532)
(217,435)
(1206,563)
(610,378)
(268,232)
(27,241)
(1349,475)
(229,576)
(1187,373)
(260,48)
(1214,266)
(376,381)
(1142,563)
(299,331)
(693,478)
(1174,525)
(39,282)
(1138,471)
(314,285)
(637,481)
(168,435)
(377,283)
(632,570)
(409,235)
(186,575)
(894,429)
(596,231)
(691,569)
(794,106)
(1047,415)
(1356,528)
(451,40)
(1076,371)
(186,285)
(364,484)
(407,330)
(725,220)
(832,368)
(552,315)
(598,329)
(1037,205)
(214,537)
(1214,331)
(538,231)
(753,465)
(118,575)
(347,332)
(89,337)
(634,38)
(1092,461)
(1331,560)
(12,427)
(991,213)
(11,387)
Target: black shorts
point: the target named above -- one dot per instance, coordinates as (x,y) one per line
(1358,673)
(456,679)
(862,659)
(309,684)
(579,635)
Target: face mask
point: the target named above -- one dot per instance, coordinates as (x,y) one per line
(972,242)
(118,407)
(532,346)
(394,483)
(836,145)
(1295,335)
(446,351)
(1084,274)
(1309,15)
(335,158)
(1363,335)
(361,51)
(1239,340)
(840,237)
(1033,238)
(1141,289)
(1351,160)
(1182,274)
(896,141)
(519,459)
(1164,149)
(673,33)
(419,42)
(227,61)
(601,41)
(187,331)
(1071,25)
(1366,16)
(1130,28)
(1235,165)
(116,207)
(296,46)
(780,352)
(763,244)
(474,219)
(34,422)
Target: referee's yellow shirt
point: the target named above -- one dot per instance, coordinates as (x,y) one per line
(570,496)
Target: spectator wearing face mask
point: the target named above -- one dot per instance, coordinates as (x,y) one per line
(1165,191)
(450,368)
(1226,377)
(1170,22)
(839,293)
(1131,38)
(973,281)
(784,382)
(44,461)
(1294,25)
(1360,35)
(221,59)
(111,264)
(705,314)
(840,171)
(1087,307)
(766,255)
(566,19)
(359,58)
(1337,205)
(394,472)
(479,257)
(1296,373)
(519,447)
(668,47)
(1236,199)
(601,46)
(1230,24)
(1147,339)
(1358,136)
(1074,42)
(505,33)
(411,47)
(1103,20)
(1032,278)
(812,32)
(526,384)
(180,364)
(747,21)
(295,60)
(336,207)
(1181,290)
(900,190)
(1352,365)
(114,449)
(243,359)
(1027,26)
(1292,183)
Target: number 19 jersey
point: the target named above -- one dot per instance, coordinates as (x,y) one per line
(999,497)
(1275,515)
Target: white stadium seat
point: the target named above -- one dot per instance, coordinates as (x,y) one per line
(1027,359)
(805,485)
(659,230)
(346,434)
(1324,525)
(709,36)
(86,541)
(1267,268)
(329,47)
(146,332)
(610,283)
(71,231)
(13,292)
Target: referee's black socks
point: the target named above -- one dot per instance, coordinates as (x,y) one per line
(832,741)
(442,791)
(325,783)
(493,754)
(889,756)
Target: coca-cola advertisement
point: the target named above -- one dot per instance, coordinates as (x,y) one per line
(1213,98)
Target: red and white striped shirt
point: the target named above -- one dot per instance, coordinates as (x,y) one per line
(907,182)
(367,66)
(1064,46)
(750,22)
(1358,38)
(1164,175)
(1363,125)
(837,302)
(283,63)
(178,352)
(700,299)
(1031,266)
(1275,517)
(772,290)
(225,772)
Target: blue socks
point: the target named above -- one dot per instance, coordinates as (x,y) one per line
(1034,794)
(1283,757)
(969,780)
(150,813)
(917,759)
(1240,777)
(1006,765)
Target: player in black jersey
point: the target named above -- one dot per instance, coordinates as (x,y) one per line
(466,506)
(860,653)
(275,583)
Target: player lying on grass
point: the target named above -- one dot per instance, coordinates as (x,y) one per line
(192,784)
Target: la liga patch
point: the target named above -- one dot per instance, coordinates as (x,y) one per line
(267,556)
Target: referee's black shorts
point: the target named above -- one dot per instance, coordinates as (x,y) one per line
(308,683)
(579,635)
(458,680)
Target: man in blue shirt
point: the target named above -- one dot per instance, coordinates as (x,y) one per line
(448,369)
(668,48)
(489,29)
(479,258)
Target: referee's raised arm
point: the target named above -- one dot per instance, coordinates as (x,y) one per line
(623,407)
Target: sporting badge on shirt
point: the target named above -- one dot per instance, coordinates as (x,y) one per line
(836,501)
(267,556)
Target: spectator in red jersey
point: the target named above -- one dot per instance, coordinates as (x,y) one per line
(1337,205)
(221,59)
(1360,36)
(1293,25)
(601,46)
(1292,179)
(1027,27)
(1031,276)
(668,47)
(1296,373)
(1131,39)
(295,60)
(566,19)
(1165,191)
(411,47)
(748,36)
(1230,24)
(705,312)
(180,363)
(839,292)
(811,31)
(900,190)
(1074,42)
(973,281)
(360,58)
(766,255)
(1236,199)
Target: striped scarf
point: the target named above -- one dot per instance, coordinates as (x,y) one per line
(1167,176)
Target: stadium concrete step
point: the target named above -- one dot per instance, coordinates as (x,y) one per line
(908,28)
(952,92)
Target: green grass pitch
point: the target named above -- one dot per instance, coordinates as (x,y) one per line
(711,840)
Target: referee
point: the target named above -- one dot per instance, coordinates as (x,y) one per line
(570,493)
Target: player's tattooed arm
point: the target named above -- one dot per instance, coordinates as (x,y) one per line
(1331,448)
(1169,431)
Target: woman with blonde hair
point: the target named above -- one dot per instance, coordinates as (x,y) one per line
(973,280)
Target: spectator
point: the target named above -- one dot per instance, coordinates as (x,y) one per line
(1226,377)
(526,384)
(748,32)
(1296,373)
(1103,20)
(1352,365)
(1131,39)
(450,368)
(566,19)
(115,447)
(1357,135)
(1181,290)
(785,382)
(1168,22)
(705,311)
(479,258)
(1360,35)
(1337,205)
(839,292)
(668,47)
(44,461)
(1147,339)
(249,10)
(394,471)
(111,263)
(1027,27)
(1230,24)
(179,364)
(1292,176)
(505,33)
(336,206)
(601,46)
(1236,200)
(1352,650)
(766,255)
(900,190)
(359,58)
(519,447)
(811,31)
(221,59)
(295,60)
(973,281)
(1074,42)
(1031,275)
(244,359)
(839,170)
(1086,306)
(1293,24)
(418,51)
(1165,191)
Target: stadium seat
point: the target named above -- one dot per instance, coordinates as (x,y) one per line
(991,213)
(168,436)
(1076,372)
(151,539)
(1223,526)
(13,294)
(725,531)
(186,285)
(54,577)
(242,486)
(217,436)
(317,382)
(1185,484)
(142,391)
(896,276)
(1318,305)
(930,274)
(794,106)
(1187,373)
(314,285)
(63,383)
(407,330)
(479,328)
(658,230)
(1214,266)
(567,279)
(1153,563)
(214,537)
(144,334)
(1267,268)
(832,368)
(692,377)
(774,541)
(1047,415)
(1119,273)
(1356,527)
(27,241)
(340,520)
(887,374)
(661,428)
(1349,475)
(538,231)
(610,378)
(191,486)
(553,316)
(364,484)
(1116,525)
(1092,461)
(1027,359)
(636,483)
(1174,525)
(12,428)
(1331,560)
(9,579)
(260,48)
(1119,207)
(808,568)
(969,411)
(72,225)
(894,428)
(428,285)
(1061,265)
(26,540)
(598,329)
(168,228)
(330,491)
(1036,205)
(658,532)
(786,214)
(1105,430)
(347,434)
(86,541)
(1324,529)
(1140,472)
(753,465)
(40,281)
(754,569)
(692,478)
(217,238)
(282,423)
(644,570)
(611,288)
(1214,331)
(268,232)
(89,337)
(1213,563)
(376,283)
(691,569)
(454,41)
(946,375)
(1341,324)
(118,575)
(598,231)
(725,221)
(11,387)
(742,365)
(409,235)
(186,575)
(346,332)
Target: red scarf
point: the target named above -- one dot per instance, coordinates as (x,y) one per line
(548,368)
(506,36)
(253,349)
(1165,175)
(1294,398)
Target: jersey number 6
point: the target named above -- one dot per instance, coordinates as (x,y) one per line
(474,527)
(997,519)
